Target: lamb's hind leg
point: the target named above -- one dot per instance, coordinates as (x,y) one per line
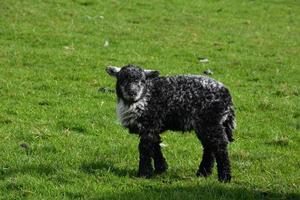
(215,139)
(218,141)
(160,163)
(223,164)
(207,163)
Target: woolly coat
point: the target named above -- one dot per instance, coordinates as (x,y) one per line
(179,103)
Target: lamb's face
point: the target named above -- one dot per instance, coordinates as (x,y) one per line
(131,81)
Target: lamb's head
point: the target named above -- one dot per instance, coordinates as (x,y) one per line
(131,81)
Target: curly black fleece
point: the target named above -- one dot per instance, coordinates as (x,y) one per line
(179,103)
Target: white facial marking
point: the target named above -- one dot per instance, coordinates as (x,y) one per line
(139,94)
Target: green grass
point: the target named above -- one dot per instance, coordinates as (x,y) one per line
(59,135)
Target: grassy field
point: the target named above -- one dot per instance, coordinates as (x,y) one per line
(59,137)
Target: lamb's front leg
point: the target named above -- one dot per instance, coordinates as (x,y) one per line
(160,163)
(146,148)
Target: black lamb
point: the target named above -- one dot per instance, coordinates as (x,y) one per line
(149,104)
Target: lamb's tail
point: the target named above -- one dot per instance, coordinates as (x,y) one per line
(230,124)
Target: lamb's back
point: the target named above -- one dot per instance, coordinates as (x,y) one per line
(176,102)
(186,91)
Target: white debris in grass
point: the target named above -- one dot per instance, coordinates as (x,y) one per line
(208,72)
(106,43)
(71,47)
(203,60)
(94,17)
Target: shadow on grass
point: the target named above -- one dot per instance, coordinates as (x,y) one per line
(106,166)
(169,188)
(206,192)
(38,169)
(151,189)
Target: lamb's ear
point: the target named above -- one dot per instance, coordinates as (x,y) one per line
(112,70)
(151,73)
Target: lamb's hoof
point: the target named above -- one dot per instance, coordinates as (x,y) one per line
(203,173)
(224,178)
(145,173)
(161,168)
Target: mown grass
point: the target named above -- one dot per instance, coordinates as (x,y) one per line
(59,135)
